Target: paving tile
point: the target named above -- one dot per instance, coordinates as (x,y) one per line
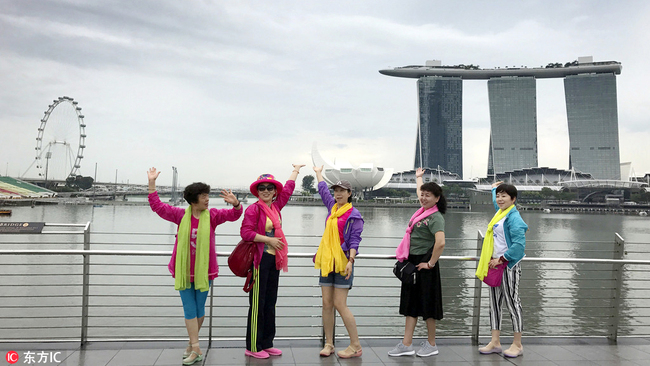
(310,355)
(171,356)
(622,363)
(555,353)
(526,362)
(136,357)
(455,352)
(226,356)
(89,358)
(574,363)
(595,352)
(632,353)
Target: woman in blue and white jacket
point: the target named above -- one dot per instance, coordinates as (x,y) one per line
(509,245)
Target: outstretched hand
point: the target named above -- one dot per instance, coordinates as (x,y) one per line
(297,166)
(229,197)
(152,174)
(318,169)
(496,184)
(419,173)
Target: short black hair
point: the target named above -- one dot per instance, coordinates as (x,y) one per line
(508,189)
(436,191)
(194,190)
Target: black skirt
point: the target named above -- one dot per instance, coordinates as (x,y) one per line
(424,298)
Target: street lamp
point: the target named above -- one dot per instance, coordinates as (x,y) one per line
(48,155)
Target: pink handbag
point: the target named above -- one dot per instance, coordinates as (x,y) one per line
(494,275)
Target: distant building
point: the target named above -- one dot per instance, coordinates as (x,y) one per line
(593,124)
(366,176)
(590,89)
(513,124)
(407,180)
(439,141)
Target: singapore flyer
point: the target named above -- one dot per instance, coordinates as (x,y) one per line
(61,141)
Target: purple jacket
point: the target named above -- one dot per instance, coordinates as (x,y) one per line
(255,219)
(353,225)
(175,215)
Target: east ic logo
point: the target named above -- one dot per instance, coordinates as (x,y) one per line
(12,357)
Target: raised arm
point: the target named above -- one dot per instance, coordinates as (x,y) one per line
(324,192)
(296,170)
(167,212)
(418,180)
(152,175)
(229,197)
(494,194)
(319,173)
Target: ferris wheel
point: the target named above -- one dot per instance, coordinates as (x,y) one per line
(61,140)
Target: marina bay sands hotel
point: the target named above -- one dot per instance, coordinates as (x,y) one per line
(591,105)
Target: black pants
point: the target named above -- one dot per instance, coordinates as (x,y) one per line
(260,328)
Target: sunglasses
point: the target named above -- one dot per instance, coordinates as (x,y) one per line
(269,188)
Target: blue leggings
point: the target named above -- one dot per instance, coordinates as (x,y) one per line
(194,302)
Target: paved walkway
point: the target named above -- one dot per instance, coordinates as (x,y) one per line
(537,351)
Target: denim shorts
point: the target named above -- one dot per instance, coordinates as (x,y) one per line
(337,280)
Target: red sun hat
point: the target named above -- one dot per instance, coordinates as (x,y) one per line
(266,178)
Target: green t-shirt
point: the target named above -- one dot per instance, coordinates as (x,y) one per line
(424,231)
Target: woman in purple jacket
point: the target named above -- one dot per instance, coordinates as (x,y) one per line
(335,258)
(194,259)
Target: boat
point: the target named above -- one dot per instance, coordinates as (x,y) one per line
(5,212)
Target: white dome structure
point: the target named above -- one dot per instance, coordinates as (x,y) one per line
(366,176)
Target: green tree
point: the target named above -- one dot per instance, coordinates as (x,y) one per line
(308,184)
(547,192)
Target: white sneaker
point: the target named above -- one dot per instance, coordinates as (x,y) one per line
(427,350)
(401,350)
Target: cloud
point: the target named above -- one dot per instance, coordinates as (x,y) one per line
(228,90)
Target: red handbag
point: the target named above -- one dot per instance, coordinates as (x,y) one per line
(240,262)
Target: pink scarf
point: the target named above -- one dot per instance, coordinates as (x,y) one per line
(404,246)
(281,259)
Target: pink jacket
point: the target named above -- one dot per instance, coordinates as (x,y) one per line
(255,219)
(175,215)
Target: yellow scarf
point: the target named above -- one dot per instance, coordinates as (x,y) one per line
(488,244)
(330,256)
(202,259)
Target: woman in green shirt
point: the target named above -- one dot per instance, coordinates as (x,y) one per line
(422,246)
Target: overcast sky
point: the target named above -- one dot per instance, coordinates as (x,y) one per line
(226,91)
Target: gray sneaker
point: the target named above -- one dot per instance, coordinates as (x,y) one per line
(427,350)
(401,350)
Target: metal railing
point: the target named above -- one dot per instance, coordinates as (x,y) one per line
(83,294)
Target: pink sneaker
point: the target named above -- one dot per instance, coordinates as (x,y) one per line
(259,354)
(273,352)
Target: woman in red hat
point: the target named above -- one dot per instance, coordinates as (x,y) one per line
(262,224)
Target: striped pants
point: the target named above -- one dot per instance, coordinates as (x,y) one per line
(508,291)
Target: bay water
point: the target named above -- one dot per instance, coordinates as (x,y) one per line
(558,299)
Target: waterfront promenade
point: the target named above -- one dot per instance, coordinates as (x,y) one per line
(109,289)
(453,351)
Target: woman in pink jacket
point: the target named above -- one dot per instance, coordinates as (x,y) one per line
(194,259)
(262,224)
